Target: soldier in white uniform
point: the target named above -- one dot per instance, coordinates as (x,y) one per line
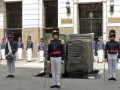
(3,45)
(41,48)
(56,54)
(112,53)
(10,50)
(20,48)
(29,49)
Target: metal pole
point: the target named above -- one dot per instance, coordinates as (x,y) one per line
(104,68)
(46,74)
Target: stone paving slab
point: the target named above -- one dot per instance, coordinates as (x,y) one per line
(25,80)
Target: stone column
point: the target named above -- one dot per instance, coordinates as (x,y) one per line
(76,19)
(104,19)
(2,18)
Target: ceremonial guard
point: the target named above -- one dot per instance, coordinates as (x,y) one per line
(112,53)
(10,51)
(100,48)
(20,48)
(41,48)
(29,49)
(3,45)
(56,54)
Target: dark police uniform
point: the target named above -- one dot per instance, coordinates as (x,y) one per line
(20,48)
(56,53)
(112,51)
(13,45)
(29,50)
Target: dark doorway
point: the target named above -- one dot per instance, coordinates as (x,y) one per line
(51,15)
(91,18)
(14,18)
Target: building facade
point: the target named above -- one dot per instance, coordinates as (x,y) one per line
(37,17)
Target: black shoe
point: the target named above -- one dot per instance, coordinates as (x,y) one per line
(12,76)
(53,86)
(58,86)
(110,79)
(8,76)
(114,79)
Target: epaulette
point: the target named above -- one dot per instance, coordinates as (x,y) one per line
(62,42)
(49,42)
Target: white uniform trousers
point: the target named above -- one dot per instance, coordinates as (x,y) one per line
(112,61)
(41,55)
(56,70)
(100,55)
(19,53)
(3,53)
(29,54)
(11,67)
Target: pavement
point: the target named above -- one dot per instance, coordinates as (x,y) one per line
(25,80)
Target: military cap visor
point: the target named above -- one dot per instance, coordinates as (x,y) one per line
(55,32)
(10,36)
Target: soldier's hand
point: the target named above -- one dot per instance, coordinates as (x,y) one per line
(62,61)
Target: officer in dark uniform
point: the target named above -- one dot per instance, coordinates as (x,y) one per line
(111,51)
(11,48)
(29,49)
(56,54)
(20,48)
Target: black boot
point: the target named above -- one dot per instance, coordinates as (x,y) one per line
(53,86)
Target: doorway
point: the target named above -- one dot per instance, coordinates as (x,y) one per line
(51,15)
(14,18)
(90,19)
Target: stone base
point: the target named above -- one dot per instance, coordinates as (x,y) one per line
(66,30)
(35,37)
(116,28)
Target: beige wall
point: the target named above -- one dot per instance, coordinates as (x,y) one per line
(117,29)
(32,22)
(2,19)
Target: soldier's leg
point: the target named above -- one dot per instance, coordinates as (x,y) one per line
(110,66)
(53,67)
(20,53)
(3,54)
(9,67)
(58,70)
(114,65)
(13,67)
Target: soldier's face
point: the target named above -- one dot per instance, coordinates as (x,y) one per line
(55,37)
(10,39)
(112,38)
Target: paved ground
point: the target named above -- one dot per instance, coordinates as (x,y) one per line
(25,79)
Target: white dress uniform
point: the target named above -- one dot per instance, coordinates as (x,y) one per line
(20,48)
(100,47)
(3,51)
(41,48)
(29,51)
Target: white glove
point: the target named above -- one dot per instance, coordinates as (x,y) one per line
(48,62)
(62,61)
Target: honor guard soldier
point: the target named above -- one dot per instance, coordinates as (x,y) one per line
(56,54)
(29,49)
(3,45)
(100,48)
(111,52)
(20,48)
(41,48)
(10,51)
